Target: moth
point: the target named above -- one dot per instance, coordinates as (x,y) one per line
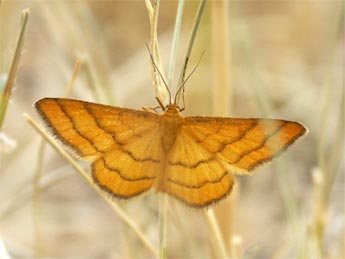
(193,159)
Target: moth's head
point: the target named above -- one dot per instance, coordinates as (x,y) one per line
(172,109)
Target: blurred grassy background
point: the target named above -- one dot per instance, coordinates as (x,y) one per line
(287,61)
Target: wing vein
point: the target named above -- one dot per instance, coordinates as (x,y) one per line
(113,134)
(118,171)
(261,144)
(238,139)
(200,185)
(70,118)
(191,166)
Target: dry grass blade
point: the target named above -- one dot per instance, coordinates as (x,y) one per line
(175,40)
(216,233)
(5,97)
(157,79)
(221,57)
(190,45)
(26,193)
(221,104)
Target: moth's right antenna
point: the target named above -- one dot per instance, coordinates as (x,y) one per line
(181,87)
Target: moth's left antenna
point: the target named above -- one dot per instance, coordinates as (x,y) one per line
(160,74)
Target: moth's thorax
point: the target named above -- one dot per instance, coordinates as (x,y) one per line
(171,121)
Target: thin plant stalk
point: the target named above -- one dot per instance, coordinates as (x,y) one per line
(331,163)
(283,178)
(119,211)
(163,224)
(93,80)
(154,38)
(58,15)
(13,70)
(26,193)
(153,11)
(218,241)
(38,173)
(39,250)
(162,197)
(329,158)
(222,102)
(338,150)
(74,77)
(221,57)
(177,31)
(236,247)
(319,212)
(190,45)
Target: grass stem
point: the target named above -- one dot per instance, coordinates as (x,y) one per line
(191,40)
(74,77)
(26,193)
(221,102)
(39,251)
(175,39)
(163,224)
(218,241)
(221,56)
(5,97)
(157,79)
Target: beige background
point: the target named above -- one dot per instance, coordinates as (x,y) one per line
(287,59)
